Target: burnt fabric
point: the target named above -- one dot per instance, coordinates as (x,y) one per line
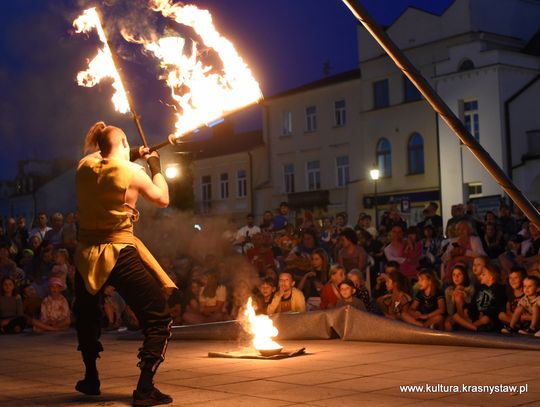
(142,292)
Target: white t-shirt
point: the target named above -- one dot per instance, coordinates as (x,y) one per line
(221,295)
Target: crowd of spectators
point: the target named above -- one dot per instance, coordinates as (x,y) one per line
(470,274)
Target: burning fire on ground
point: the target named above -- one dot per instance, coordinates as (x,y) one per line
(263,330)
(201,93)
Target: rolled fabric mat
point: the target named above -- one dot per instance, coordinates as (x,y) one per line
(351,324)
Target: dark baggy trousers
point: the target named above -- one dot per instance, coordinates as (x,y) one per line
(142,292)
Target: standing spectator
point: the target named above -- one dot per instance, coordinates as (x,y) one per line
(365,224)
(412,252)
(327,235)
(509,226)
(395,250)
(21,235)
(41,227)
(432,219)
(431,246)
(288,298)
(70,233)
(245,233)
(395,219)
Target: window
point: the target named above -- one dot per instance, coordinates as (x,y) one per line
(474,189)
(286,128)
(342,166)
(466,65)
(340,112)
(381,96)
(471,118)
(314,175)
(415,154)
(410,93)
(224,185)
(384,157)
(206,184)
(241,184)
(288,178)
(311,118)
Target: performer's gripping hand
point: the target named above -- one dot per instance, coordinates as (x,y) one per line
(152,158)
(138,152)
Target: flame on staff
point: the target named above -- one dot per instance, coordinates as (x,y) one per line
(201,96)
(262,329)
(102,66)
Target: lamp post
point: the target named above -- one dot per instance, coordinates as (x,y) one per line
(375,174)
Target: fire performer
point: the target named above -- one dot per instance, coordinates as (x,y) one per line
(108,186)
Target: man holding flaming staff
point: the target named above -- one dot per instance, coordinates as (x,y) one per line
(108,186)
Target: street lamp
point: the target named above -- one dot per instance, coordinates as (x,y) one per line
(375,174)
(172,171)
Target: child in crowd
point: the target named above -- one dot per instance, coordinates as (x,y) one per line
(347,291)
(380,282)
(55,312)
(458,295)
(11,308)
(241,294)
(361,291)
(60,268)
(191,307)
(490,300)
(514,293)
(428,308)
(412,252)
(212,299)
(396,303)
(266,290)
(528,309)
(113,307)
(477,269)
(330,292)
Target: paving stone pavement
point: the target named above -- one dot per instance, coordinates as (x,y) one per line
(41,370)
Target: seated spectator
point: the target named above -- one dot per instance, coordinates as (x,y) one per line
(395,250)
(431,246)
(260,254)
(281,220)
(192,310)
(313,281)
(458,294)
(347,291)
(11,308)
(266,225)
(286,240)
(493,241)
(212,299)
(396,303)
(380,283)
(477,269)
(31,303)
(512,257)
(489,301)
(374,250)
(60,268)
(330,292)
(241,294)
(365,224)
(7,265)
(267,289)
(327,234)
(412,253)
(69,233)
(55,312)
(462,249)
(514,293)
(428,308)
(527,313)
(306,246)
(361,292)
(351,256)
(288,298)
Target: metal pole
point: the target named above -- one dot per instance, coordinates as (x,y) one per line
(376,209)
(134,115)
(444,111)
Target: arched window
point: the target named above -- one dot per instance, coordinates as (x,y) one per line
(466,65)
(384,157)
(415,154)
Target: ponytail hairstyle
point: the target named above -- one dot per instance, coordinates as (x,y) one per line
(91,141)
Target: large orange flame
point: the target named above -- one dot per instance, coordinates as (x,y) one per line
(102,66)
(201,96)
(262,329)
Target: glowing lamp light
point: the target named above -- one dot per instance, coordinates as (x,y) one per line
(172,172)
(374,174)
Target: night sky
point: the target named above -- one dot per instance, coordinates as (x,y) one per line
(44,114)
